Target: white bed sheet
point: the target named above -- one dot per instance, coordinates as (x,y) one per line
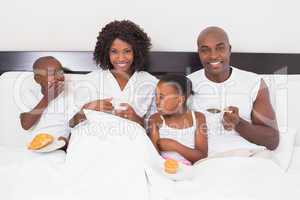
(295,162)
(234,179)
(17,156)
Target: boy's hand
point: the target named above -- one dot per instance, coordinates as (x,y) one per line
(53,90)
(66,142)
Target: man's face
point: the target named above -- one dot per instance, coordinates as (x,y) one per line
(48,73)
(214,52)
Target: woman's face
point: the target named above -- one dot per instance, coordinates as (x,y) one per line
(168,101)
(121,56)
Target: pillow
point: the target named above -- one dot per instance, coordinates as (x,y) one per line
(18,91)
(283,154)
(297,142)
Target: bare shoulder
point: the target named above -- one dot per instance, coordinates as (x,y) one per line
(201,121)
(263,96)
(155,119)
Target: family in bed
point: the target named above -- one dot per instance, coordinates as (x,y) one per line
(216,111)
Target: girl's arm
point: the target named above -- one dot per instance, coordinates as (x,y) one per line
(201,135)
(192,155)
(154,123)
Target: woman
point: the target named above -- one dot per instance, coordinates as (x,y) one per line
(125,89)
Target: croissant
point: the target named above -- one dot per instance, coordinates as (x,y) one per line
(40,140)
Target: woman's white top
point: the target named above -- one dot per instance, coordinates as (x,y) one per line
(101,84)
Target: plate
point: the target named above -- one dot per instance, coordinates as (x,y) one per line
(55,145)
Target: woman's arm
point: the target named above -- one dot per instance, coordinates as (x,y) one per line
(103,105)
(129,113)
(77,118)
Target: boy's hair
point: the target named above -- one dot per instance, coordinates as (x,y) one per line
(40,60)
(129,32)
(181,83)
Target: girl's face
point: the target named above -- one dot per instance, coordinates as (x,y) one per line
(168,99)
(121,56)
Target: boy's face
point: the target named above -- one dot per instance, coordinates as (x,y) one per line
(168,99)
(48,73)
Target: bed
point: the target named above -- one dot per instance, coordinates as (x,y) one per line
(243,178)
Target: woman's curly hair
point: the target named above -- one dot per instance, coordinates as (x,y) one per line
(129,32)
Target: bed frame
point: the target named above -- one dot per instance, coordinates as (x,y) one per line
(159,63)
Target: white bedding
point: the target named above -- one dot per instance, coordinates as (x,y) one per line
(102,166)
(19,155)
(295,162)
(235,178)
(98,166)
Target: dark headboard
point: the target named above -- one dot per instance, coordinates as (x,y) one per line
(160,62)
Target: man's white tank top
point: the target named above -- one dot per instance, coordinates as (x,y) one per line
(239,90)
(184,136)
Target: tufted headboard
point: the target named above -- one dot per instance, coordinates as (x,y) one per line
(160,62)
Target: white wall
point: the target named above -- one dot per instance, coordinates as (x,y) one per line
(253,25)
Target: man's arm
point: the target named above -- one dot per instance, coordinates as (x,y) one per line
(28,119)
(263,130)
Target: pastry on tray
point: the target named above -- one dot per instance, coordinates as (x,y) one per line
(40,140)
(171,166)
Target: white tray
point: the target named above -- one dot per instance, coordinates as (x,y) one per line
(55,145)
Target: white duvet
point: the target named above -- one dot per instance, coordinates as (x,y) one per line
(111,158)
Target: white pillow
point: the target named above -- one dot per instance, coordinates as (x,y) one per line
(283,154)
(14,86)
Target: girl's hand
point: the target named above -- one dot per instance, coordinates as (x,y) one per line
(165,144)
(101,105)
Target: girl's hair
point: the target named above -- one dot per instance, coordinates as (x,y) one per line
(181,83)
(130,33)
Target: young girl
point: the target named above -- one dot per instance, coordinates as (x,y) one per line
(176,132)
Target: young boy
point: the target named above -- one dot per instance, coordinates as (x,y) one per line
(49,114)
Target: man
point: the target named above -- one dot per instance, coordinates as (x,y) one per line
(239,98)
(49,114)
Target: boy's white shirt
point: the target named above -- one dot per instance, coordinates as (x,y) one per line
(55,117)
